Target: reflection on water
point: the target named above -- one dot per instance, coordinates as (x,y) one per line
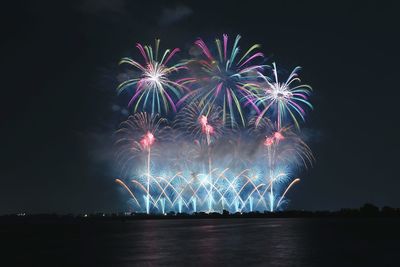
(215,242)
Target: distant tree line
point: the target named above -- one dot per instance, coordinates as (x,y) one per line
(367,210)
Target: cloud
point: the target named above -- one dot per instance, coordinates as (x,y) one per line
(172,15)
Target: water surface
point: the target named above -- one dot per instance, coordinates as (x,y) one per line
(207,242)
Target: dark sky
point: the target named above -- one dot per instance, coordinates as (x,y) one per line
(59,71)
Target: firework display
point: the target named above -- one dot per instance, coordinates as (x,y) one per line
(222,135)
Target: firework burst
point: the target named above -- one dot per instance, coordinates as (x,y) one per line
(282,145)
(154,89)
(201,121)
(136,137)
(284,98)
(225,80)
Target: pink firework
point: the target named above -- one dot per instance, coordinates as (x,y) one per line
(205,127)
(147,141)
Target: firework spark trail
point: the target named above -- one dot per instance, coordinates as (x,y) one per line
(127,188)
(208,130)
(146,142)
(206,161)
(287,189)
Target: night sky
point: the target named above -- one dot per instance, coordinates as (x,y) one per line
(59,106)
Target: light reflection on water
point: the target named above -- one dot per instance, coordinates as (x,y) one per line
(267,242)
(205,242)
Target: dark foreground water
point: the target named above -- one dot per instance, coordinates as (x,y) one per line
(205,242)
